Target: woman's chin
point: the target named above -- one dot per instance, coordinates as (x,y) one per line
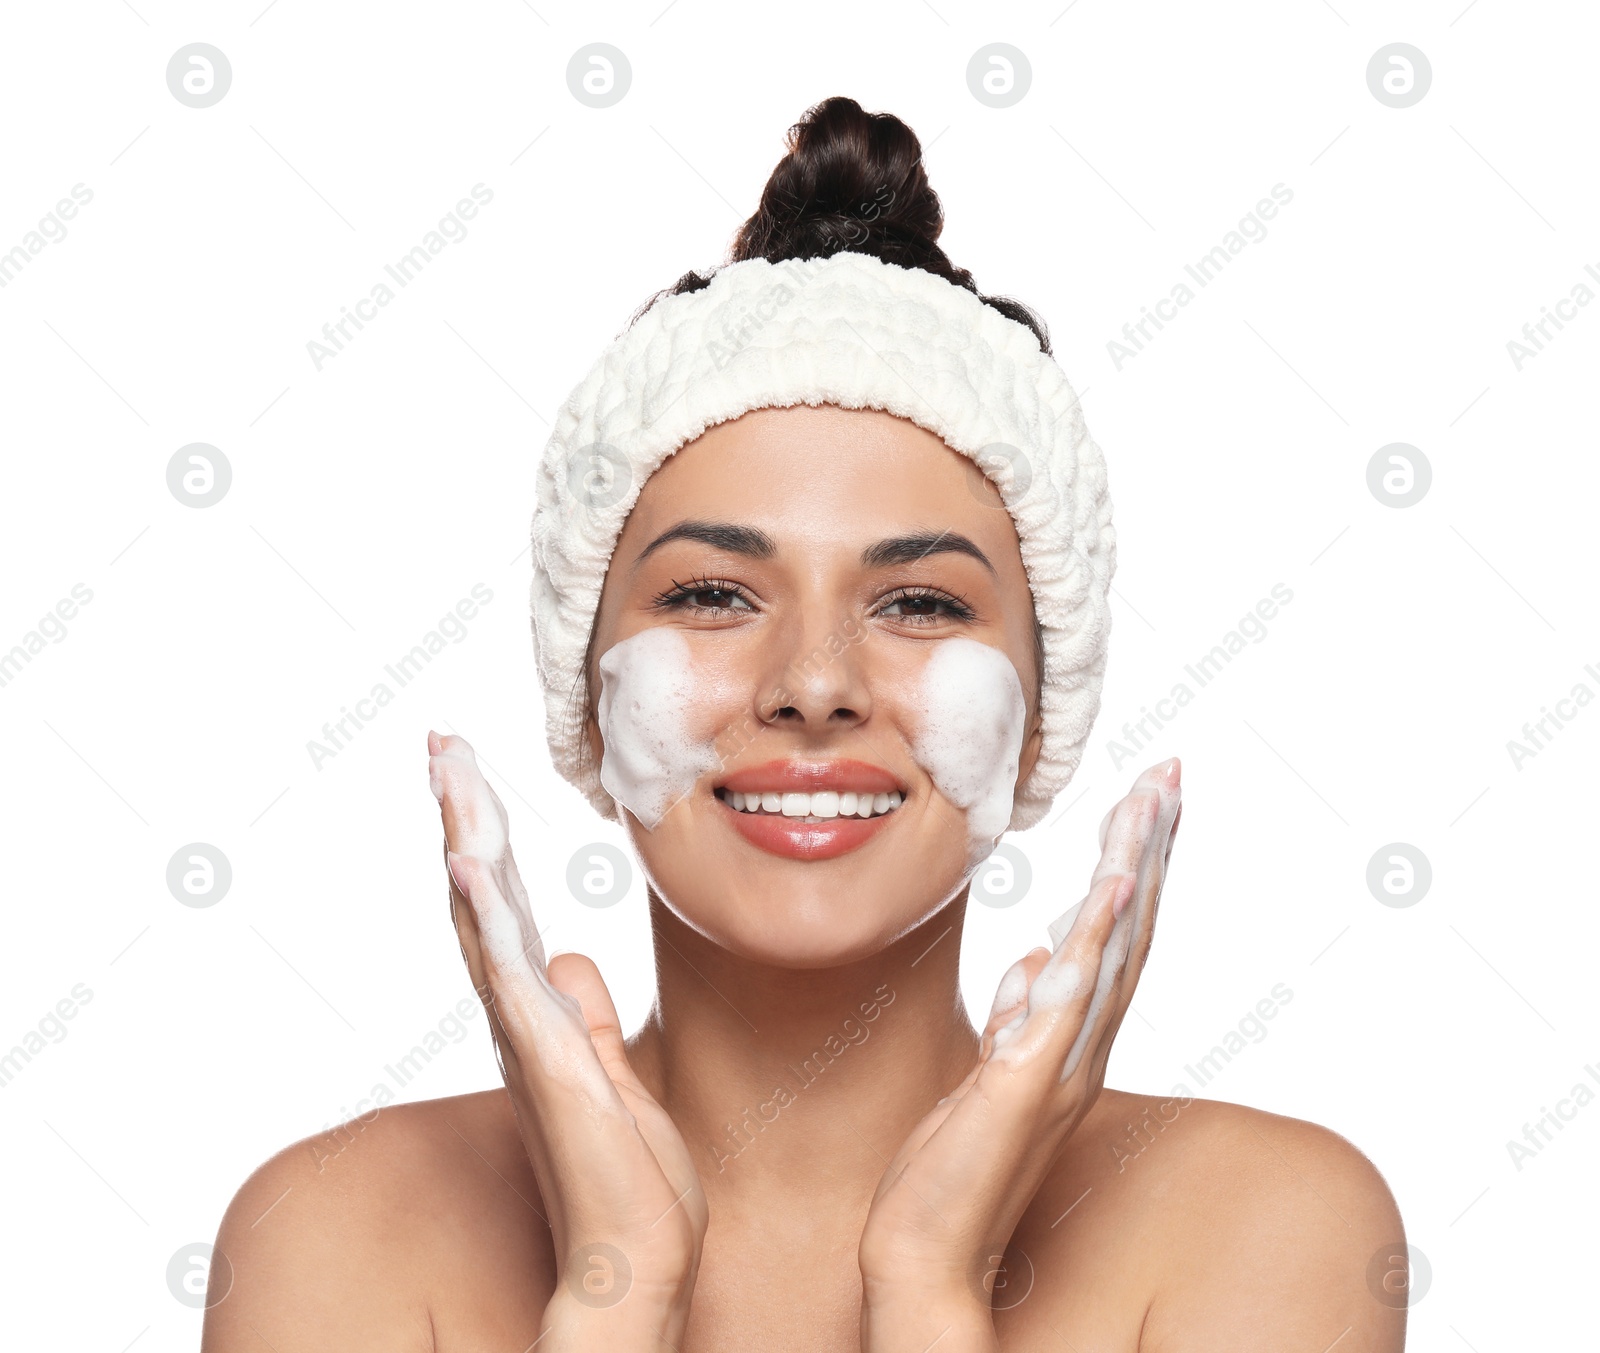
(770,908)
(790,925)
(798,941)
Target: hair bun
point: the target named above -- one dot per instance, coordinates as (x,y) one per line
(852,180)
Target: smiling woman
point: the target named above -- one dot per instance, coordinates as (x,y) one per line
(858,522)
(832,619)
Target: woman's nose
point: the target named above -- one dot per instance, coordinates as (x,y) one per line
(820,677)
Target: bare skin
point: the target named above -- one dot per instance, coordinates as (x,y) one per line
(1135,1222)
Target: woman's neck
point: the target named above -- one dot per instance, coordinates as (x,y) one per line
(783,1079)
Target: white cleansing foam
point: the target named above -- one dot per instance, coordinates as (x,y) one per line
(647,689)
(970,736)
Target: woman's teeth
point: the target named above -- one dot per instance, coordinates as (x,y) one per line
(818,807)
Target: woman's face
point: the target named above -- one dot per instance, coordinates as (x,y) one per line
(810,564)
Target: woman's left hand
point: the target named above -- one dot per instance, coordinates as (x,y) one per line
(952,1197)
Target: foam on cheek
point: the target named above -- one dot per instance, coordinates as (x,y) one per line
(652,757)
(970,740)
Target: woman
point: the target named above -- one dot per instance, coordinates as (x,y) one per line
(821,560)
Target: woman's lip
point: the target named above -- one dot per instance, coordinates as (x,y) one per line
(797,839)
(799,776)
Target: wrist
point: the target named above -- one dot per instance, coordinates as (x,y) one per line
(634,1324)
(911,1321)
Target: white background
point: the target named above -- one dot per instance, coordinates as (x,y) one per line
(369,496)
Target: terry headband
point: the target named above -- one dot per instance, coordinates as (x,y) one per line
(852,331)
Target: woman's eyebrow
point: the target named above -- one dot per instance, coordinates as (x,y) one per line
(747,540)
(757,544)
(908,549)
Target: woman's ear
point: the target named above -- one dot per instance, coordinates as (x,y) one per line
(1030,751)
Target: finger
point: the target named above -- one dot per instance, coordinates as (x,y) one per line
(1082,936)
(1101,945)
(546,1029)
(1061,995)
(1012,993)
(466,925)
(1136,840)
(476,826)
(1129,832)
(1121,979)
(576,975)
(1115,860)
(1122,837)
(1152,878)
(546,1035)
(475,820)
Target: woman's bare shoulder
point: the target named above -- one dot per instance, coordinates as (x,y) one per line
(1206,1223)
(383,1233)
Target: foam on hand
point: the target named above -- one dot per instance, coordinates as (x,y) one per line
(970,739)
(652,759)
(549,1024)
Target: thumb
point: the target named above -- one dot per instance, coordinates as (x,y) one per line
(576,975)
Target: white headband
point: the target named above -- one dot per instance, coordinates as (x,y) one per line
(856,332)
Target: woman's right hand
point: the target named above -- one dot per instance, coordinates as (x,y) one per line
(625,1205)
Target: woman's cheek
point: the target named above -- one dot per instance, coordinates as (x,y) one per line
(667,721)
(968,713)
(664,722)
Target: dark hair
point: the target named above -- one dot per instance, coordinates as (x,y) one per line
(852,181)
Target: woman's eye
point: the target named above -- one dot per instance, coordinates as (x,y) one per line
(714,598)
(914,606)
(924,606)
(707,599)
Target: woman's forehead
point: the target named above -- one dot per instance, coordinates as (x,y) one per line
(820,473)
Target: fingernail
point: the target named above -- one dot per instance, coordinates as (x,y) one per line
(1172,772)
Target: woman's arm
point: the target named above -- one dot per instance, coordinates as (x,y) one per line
(339,1257)
(966,1174)
(626,1209)
(1284,1235)
(315,1250)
